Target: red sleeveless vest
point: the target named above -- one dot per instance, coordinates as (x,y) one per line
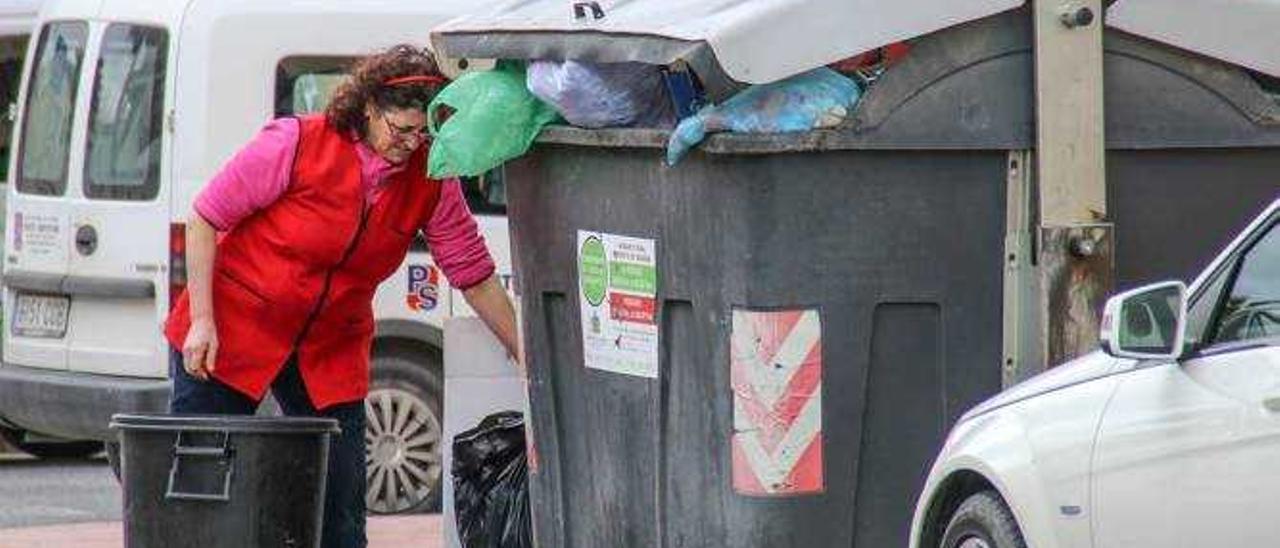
(300,275)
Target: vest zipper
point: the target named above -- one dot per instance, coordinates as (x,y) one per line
(328,277)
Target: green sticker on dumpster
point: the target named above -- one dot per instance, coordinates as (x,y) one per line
(618,303)
(633,277)
(593,270)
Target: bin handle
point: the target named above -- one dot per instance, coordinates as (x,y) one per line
(580,10)
(180,451)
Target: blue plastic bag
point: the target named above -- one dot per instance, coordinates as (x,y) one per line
(816,99)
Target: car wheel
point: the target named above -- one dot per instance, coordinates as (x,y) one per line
(51,449)
(983,521)
(404,433)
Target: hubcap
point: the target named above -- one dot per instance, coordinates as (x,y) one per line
(402,450)
(973,542)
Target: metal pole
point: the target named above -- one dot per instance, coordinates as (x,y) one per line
(1074,241)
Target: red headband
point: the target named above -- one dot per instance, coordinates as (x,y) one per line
(436,80)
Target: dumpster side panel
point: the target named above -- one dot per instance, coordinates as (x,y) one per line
(907,365)
(1174,208)
(1194,153)
(605,445)
(900,254)
(1161,98)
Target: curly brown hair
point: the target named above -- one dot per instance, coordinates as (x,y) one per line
(346,111)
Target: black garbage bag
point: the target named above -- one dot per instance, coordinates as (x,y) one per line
(491,484)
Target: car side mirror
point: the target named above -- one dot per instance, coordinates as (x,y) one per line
(1149,322)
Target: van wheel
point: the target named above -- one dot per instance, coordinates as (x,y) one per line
(50,449)
(404,433)
(983,521)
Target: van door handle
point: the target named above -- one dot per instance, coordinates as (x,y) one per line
(1272,404)
(86,240)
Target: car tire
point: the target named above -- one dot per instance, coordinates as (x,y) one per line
(983,521)
(50,450)
(405,432)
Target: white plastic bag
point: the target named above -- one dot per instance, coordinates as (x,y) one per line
(598,95)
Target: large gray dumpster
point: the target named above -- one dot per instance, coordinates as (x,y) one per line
(891,238)
(826,304)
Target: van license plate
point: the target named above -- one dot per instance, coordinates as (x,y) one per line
(40,316)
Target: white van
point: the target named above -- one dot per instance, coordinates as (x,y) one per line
(17,18)
(128,107)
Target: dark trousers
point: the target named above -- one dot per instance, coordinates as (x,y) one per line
(344,508)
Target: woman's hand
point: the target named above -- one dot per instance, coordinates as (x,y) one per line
(491,303)
(519,357)
(200,350)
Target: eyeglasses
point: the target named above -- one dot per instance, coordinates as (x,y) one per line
(405,133)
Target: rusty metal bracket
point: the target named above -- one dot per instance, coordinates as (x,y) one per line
(1075,240)
(1077,271)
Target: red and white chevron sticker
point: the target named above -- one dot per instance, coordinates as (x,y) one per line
(776,373)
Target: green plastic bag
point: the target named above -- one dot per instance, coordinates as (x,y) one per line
(495,119)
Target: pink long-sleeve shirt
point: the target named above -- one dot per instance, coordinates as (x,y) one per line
(261,172)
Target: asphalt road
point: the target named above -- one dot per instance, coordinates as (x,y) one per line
(44,492)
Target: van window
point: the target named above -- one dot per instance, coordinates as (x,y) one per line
(126,119)
(486,194)
(311,92)
(305,84)
(12,50)
(51,99)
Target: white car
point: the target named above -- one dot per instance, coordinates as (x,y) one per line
(127,108)
(1169,436)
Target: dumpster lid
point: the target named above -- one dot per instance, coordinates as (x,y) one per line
(749,41)
(1242,32)
(225,423)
